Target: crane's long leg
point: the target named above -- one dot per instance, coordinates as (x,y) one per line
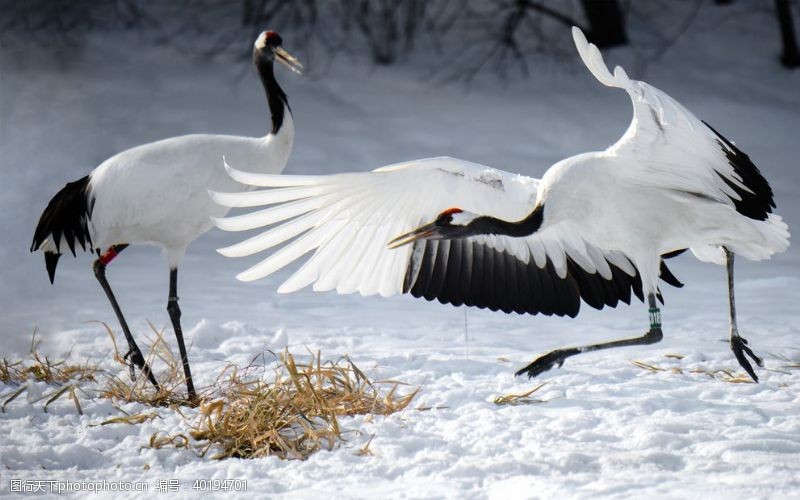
(175,316)
(738,343)
(557,357)
(134,352)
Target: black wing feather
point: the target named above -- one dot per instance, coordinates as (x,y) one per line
(758,202)
(464,271)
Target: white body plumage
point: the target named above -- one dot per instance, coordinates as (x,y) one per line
(157,193)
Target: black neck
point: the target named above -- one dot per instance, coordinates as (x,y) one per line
(524,227)
(276,98)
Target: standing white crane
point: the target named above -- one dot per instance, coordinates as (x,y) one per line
(157,193)
(513,243)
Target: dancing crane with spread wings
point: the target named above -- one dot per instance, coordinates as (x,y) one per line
(595,228)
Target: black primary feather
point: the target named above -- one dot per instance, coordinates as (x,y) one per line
(440,270)
(756,203)
(66,217)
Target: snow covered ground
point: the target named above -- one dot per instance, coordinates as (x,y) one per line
(607,428)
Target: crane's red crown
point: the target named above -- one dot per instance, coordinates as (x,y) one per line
(451,211)
(273,39)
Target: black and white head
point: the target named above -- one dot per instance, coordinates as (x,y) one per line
(268,48)
(449,224)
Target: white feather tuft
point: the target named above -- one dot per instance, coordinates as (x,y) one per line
(593,59)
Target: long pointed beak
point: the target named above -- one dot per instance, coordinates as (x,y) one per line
(420,233)
(288,60)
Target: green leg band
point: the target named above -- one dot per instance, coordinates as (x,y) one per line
(655,317)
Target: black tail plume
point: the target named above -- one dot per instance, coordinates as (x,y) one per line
(50,262)
(668,277)
(67,215)
(666,274)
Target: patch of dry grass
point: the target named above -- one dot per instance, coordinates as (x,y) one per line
(786,366)
(63,374)
(723,375)
(788,363)
(172,381)
(39,368)
(292,416)
(523,398)
(70,378)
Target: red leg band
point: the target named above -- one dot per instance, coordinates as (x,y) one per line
(108,256)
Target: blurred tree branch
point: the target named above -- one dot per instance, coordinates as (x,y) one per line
(502,35)
(790,56)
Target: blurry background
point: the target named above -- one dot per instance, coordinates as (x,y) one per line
(495,81)
(459,38)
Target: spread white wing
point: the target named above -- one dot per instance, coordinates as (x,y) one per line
(346,220)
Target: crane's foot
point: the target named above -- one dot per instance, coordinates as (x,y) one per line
(739,348)
(194,400)
(134,358)
(130,354)
(550,360)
